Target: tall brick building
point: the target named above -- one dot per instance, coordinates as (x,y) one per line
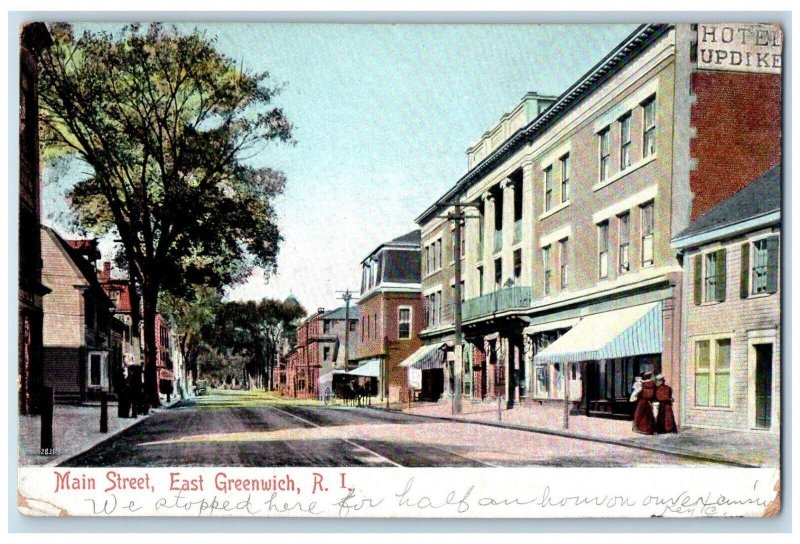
(33,37)
(571,284)
(390,313)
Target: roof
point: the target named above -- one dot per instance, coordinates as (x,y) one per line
(617,59)
(85,267)
(291,299)
(756,199)
(124,288)
(339,313)
(409,240)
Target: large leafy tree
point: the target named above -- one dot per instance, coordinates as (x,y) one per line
(168,127)
(256,331)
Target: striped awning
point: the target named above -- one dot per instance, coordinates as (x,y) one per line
(637,330)
(370,369)
(427,357)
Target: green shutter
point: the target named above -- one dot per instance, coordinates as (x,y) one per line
(698,280)
(722,273)
(773,250)
(744,277)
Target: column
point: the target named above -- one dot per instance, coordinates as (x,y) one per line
(508,187)
(528,222)
(488,240)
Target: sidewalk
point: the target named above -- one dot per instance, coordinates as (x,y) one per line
(733,447)
(76,428)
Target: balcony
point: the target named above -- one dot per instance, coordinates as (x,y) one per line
(498,241)
(509,298)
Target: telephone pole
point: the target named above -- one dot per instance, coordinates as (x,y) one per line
(347,296)
(459,218)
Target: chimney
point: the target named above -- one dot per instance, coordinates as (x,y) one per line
(320,310)
(105,274)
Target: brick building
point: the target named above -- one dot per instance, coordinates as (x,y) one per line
(390,314)
(570,281)
(304,361)
(33,37)
(77,321)
(119,291)
(339,329)
(732,334)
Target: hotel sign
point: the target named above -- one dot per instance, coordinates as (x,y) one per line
(740,47)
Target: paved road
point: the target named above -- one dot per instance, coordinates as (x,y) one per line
(241,429)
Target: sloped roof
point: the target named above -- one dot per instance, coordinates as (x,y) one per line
(409,240)
(338,313)
(759,197)
(85,267)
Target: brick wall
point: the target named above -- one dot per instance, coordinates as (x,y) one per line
(737,123)
(736,318)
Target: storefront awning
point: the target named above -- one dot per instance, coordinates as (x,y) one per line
(637,330)
(426,358)
(370,369)
(552,325)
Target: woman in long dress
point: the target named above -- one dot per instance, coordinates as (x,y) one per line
(643,420)
(665,421)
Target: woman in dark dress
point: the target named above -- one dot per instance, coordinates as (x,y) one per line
(643,420)
(665,421)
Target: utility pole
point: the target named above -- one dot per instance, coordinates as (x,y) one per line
(459,218)
(347,296)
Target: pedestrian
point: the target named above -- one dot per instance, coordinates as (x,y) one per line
(665,421)
(643,420)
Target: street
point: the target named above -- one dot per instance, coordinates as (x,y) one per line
(241,428)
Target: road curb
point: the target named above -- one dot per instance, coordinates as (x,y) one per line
(566,434)
(139,420)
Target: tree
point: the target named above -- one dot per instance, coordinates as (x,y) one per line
(168,127)
(256,330)
(192,318)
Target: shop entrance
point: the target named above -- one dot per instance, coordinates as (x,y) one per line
(432,384)
(608,383)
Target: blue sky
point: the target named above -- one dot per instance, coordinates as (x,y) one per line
(383,115)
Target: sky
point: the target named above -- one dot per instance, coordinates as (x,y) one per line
(382,115)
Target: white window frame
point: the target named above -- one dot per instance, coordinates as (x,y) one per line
(563,263)
(627,244)
(604,162)
(713,341)
(648,238)
(548,195)
(400,321)
(752,263)
(602,255)
(546,271)
(103,369)
(566,167)
(625,145)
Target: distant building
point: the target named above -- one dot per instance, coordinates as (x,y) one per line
(339,329)
(119,291)
(730,361)
(390,314)
(33,37)
(78,317)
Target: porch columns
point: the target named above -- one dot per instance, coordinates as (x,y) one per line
(488,235)
(508,187)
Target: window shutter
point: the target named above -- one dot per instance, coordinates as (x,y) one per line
(773,249)
(722,274)
(744,279)
(698,280)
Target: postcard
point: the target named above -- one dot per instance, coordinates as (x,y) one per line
(400,270)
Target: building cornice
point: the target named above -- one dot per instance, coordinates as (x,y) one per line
(602,71)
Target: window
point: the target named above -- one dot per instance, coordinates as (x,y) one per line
(563,259)
(712,372)
(404,323)
(480,280)
(714,280)
(647,234)
(517,266)
(565,173)
(95,369)
(624,242)
(765,266)
(353,326)
(625,141)
(649,138)
(375,326)
(326,326)
(548,188)
(326,353)
(605,153)
(602,248)
(547,271)
(498,274)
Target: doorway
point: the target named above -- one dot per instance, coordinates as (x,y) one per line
(763,392)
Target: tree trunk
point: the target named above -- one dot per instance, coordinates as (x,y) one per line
(150,299)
